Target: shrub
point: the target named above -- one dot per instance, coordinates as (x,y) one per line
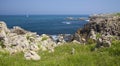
(117,14)
(28,37)
(2,44)
(44,38)
(90,41)
(98,35)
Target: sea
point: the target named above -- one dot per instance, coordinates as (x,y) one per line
(46,24)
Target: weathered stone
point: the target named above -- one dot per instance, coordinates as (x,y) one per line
(103,42)
(61,38)
(73,51)
(92,34)
(104,24)
(19,40)
(75,41)
(31,55)
(18,30)
(34,47)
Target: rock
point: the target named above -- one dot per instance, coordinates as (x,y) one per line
(18,30)
(3,26)
(99,43)
(103,24)
(3,30)
(92,34)
(75,41)
(34,47)
(68,37)
(11,50)
(73,51)
(107,43)
(69,18)
(61,38)
(83,40)
(77,37)
(19,40)
(48,44)
(103,42)
(43,48)
(51,50)
(31,55)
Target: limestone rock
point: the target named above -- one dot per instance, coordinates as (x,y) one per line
(61,38)
(19,40)
(75,41)
(103,24)
(31,55)
(103,42)
(92,34)
(48,44)
(34,47)
(18,30)
(73,51)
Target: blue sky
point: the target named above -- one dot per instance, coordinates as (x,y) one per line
(8,7)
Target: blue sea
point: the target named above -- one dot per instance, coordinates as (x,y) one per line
(45,24)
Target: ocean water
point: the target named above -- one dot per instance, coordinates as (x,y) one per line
(45,24)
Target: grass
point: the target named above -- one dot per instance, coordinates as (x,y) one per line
(62,56)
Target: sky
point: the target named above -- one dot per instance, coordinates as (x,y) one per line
(13,7)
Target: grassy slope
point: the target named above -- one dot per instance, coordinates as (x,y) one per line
(62,57)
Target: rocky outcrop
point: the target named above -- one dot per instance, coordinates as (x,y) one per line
(99,28)
(103,41)
(103,24)
(19,40)
(18,30)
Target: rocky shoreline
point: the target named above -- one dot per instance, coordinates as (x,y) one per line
(101,29)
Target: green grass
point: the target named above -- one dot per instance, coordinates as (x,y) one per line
(62,56)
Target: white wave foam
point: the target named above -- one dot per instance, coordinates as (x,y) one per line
(66,22)
(87,20)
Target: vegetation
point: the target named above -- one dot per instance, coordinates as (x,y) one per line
(117,14)
(90,41)
(98,35)
(44,38)
(62,56)
(1,44)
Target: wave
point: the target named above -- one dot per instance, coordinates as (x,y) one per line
(87,20)
(66,22)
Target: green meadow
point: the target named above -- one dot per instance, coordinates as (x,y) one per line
(84,55)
